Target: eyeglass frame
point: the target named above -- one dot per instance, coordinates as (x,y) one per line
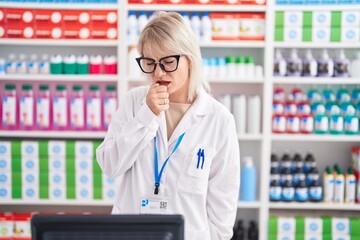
(177,57)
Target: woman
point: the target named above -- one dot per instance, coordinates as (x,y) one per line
(172,145)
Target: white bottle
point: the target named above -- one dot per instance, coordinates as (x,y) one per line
(142,21)
(196,24)
(133,68)
(132,28)
(186,18)
(21,65)
(239,111)
(325,65)
(44,65)
(279,64)
(33,65)
(355,66)
(206,27)
(253,115)
(309,65)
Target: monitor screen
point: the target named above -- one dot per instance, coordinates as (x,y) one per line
(107,227)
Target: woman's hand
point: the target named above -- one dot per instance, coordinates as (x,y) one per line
(157,98)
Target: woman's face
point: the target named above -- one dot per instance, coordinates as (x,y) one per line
(177,82)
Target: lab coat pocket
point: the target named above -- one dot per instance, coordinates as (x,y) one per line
(195,171)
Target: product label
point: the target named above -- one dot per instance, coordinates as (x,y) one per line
(42,112)
(288,193)
(275,193)
(9,111)
(306,124)
(26,111)
(93,113)
(279,124)
(60,112)
(315,193)
(351,125)
(109,110)
(301,194)
(293,124)
(336,123)
(77,112)
(321,124)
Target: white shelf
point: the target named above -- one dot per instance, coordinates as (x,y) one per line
(71,6)
(60,42)
(316,45)
(315,206)
(233,44)
(250,137)
(315,80)
(59,77)
(57,203)
(314,7)
(249,205)
(235,80)
(54,134)
(197,7)
(315,137)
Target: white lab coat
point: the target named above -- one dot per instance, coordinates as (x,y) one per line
(207,198)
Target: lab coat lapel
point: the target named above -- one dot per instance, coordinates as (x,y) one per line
(196,112)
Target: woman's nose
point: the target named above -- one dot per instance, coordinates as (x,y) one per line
(158,71)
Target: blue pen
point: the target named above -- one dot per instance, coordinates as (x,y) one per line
(199,155)
(203,158)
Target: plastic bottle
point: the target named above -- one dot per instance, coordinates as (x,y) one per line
(325,65)
(288,191)
(274,161)
(186,18)
(350,186)
(294,64)
(132,28)
(109,105)
(312,176)
(253,231)
(196,24)
(249,67)
(297,175)
(43,108)
(142,21)
(279,64)
(355,66)
(253,114)
(82,64)
(240,67)
(315,192)
(60,108)
(309,162)
(336,121)
(239,231)
(110,64)
(297,162)
(44,65)
(9,108)
(341,65)
(96,64)
(309,65)
(329,185)
(301,190)
(56,64)
(69,64)
(321,120)
(21,65)
(351,121)
(339,187)
(77,108)
(248,180)
(33,65)
(11,64)
(230,66)
(206,28)
(93,108)
(275,191)
(27,108)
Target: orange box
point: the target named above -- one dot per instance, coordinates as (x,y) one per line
(47,32)
(71,32)
(103,18)
(252,26)
(252,2)
(20,32)
(48,18)
(75,19)
(22,226)
(2,16)
(225,26)
(16,16)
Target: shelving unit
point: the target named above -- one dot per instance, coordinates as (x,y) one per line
(257,145)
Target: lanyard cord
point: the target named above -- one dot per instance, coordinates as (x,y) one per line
(158,175)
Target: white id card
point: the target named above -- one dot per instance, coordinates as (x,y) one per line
(154,204)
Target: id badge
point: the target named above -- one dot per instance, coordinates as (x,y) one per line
(151,204)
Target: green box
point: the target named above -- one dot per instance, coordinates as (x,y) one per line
(273,225)
(279,34)
(307,19)
(327,225)
(355,227)
(335,19)
(279,18)
(307,34)
(335,34)
(300,226)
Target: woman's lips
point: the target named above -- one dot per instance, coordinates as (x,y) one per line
(165,83)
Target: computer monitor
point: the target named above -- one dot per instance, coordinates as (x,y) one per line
(107,227)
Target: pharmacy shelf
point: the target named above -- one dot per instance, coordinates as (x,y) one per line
(53,134)
(59,77)
(233,44)
(314,7)
(235,80)
(60,42)
(70,6)
(317,45)
(315,206)
(315,80)
(249,205)
(250,137)
(196,7)
(57,203)
(315,138)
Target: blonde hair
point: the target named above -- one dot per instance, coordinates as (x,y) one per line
(168,33)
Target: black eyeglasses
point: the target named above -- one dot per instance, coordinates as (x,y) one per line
(167,64)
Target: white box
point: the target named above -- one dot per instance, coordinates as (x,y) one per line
(313,236)
(84,179)
(313,225)
(286,236)
(350,18)
(29,148)
(109,193)
(340,226)
(84,193)
(57,193)
(30,163)
(7,228)
(321,34)
(108,182)
(30,178)
(5,192)
(350,34)
(5,163)
(57,179)
(83,149)
(5,148)
(292,34)
(321,18)
(30,192)
(57,148)
(83,164)
(293,18)
(57,163)
(286,225)
(5,178)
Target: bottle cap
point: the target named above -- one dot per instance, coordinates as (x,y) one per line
(77,88)
(44,87)
(94,88)
(109,59)
(60,87)
(110,88)
(70,59)
(82,59)
(96,59)
(9,87)
(26,87)
(248,162)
